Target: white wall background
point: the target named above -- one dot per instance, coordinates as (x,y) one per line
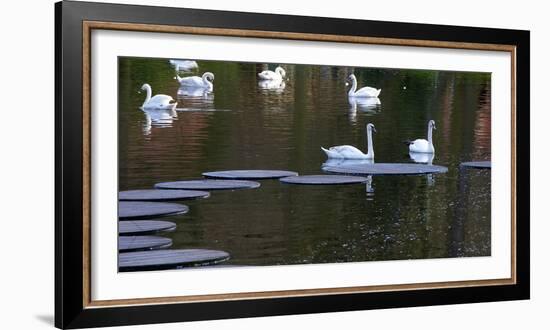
(27,156)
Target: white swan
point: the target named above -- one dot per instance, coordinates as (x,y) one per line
(363,92)
(350,152)
(205,81)
(422,145)
(278,75)
(184,65)
(157,102)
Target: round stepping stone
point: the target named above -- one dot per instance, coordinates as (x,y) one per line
(481,164)
(323,179)
(208,184)
(169,259)
(160,195)
(143,210)
(144,227)
(386,169)
(142,243)
(249,174)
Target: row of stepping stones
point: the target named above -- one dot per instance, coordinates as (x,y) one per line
(141,251)
(139,248)
(146,252)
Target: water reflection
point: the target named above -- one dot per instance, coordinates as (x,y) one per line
(195,98)
(277,86)
(423,158)
(158,118)
(367,105)
(353,162)
(346,162)
(408,217)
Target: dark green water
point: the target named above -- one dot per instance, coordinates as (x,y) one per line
(243,126)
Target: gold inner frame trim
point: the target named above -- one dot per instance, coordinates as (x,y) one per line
(88,26)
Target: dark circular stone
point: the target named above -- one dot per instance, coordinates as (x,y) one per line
(143,210)
(208,184)
(160,195)
(142,243)
(480,164)
(169,259)
(249,174)
(144,227)
(324,179)
(386,169)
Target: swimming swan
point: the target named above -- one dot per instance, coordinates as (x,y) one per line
(350,152)
(195,81)
(279,74)
(422,145)
(184,65)
(157,102)
(363,92)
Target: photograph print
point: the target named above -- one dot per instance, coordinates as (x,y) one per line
(240,164)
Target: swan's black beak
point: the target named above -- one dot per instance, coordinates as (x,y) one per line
(435,128)
(374,129)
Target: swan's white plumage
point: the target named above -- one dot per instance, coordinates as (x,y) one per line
(277,75)
(204,82)
(184,65)
(351,152)
(367,92)
(344,152)
(363,92)
(157,102)
(423,145)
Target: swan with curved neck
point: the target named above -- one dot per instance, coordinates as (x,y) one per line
(279,74)
(351,152)
(363,92)
(206,81)
(157,102)
(423,145)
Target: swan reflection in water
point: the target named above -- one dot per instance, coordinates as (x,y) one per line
(424,158)
(195,99)
(367,105)
(353,162)
(158,118)
(277,86)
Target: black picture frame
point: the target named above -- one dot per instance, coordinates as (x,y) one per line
(70,309)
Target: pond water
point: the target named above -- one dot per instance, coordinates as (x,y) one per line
(244,124)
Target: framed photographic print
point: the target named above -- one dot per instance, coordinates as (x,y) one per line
(221,164)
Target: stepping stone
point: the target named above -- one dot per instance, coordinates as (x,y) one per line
(169,259)
(142,243)
(144,227)
(160,195)
(481,164)
(385,169)
(208,184)
(323,179)
(144,210)
(249,174)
